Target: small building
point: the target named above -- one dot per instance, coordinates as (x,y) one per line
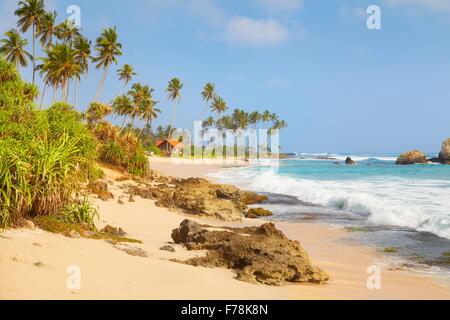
(169,146)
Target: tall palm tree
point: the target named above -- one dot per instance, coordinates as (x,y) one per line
(97,111)
(219,106)
(108,49)
(126,74)
(208,94)
(254,118)
(149,113)
(62,65)
(174,93)
(122,106)
(141,98)
(13,48)
(82,47)
(49,28)
(67,32)
(266,116)
(30,13)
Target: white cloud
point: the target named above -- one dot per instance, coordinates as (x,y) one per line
(436,6)
(247,31)
(281,5)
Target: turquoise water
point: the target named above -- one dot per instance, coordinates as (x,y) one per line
(407,207)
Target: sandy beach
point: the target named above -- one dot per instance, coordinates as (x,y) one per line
(34,263)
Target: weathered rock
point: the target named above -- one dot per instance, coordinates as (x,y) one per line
(349,161)
(118,232)
(167,248)
(29,224)
(120,201)
(258,254)
(200,197)
(100,188)
(131,199)
(131,250)
(444,155)
(258,212)
(412,157)
(434,160)
(74,234)
(105,196)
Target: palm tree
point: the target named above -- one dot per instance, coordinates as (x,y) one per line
(30,13)
(254,118)
(208,94)
(62,65)
(82,47)
(67,32)
(125,74)
(108,49)
(240,119)
(219,106)
(122,106)
(141,99)
(97,111)
(13,48)
(49,28)
(174,94)
(149,113)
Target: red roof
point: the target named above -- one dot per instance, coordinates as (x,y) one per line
(173,143)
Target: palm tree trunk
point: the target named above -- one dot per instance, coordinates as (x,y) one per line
(123,124)
(102,83)
(174,111)
(63,90)
(76,93)
(99,88)
(142,129)
(34,50)
(54,94)
(67,91)
(43,95)
(18,69)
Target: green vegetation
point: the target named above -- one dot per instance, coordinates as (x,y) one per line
(390,250)
(48,152)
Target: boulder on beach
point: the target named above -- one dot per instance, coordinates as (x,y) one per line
(200,197)
(258,254)
(412,157)
(444,155)
(349,161)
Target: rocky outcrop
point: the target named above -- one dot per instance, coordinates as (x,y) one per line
(258,254)
(117,232)
(350,162)
(412,157)
(258,212)
(200,197)
(100,188)
(444,155)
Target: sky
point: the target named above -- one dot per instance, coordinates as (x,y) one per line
(340,86)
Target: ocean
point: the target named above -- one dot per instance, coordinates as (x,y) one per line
(401,211)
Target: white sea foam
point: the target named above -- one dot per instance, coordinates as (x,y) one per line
(419,204)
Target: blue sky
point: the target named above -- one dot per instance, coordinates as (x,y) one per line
(340,86)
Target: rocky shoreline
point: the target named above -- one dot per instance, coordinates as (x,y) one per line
(257,254)
(415,156)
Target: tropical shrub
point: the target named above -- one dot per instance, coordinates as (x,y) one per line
(81,211)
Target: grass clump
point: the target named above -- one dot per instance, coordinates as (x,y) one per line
(81,212)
